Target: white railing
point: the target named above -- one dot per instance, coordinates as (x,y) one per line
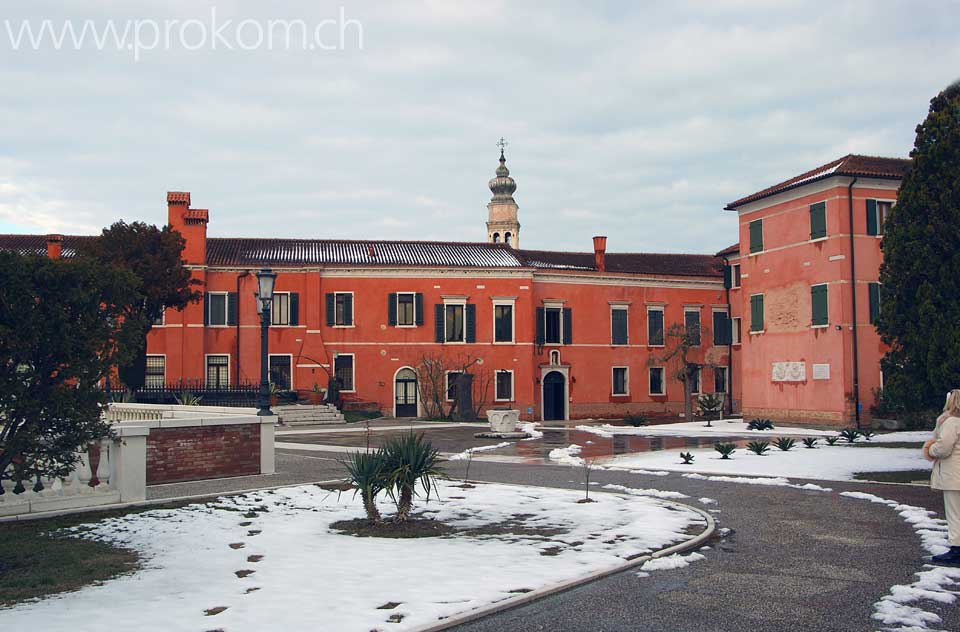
(155,412)
(118,476)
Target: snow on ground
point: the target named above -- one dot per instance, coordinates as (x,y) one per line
(567,455)
(656,493)
(310,576)
(769,482)
(459,456)
(738,427)
(530,427)
(832,463)
(934,583)
(670,562)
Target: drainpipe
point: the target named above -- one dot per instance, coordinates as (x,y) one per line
(245,273)
(853,295)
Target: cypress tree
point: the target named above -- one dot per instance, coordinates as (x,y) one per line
(920,275)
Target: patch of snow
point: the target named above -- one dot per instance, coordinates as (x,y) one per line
(669,562)
(726,427)
(707,501)
(656,493)
(567,455)
(650,472)
(837,463)
(769,482)
(189,565)
(480,448)
(530,427)
(642,574)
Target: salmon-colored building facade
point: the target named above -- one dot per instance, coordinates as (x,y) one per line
(559,335)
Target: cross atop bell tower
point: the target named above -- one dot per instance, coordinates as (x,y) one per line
(502,223)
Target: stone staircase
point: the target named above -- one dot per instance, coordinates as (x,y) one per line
(306,415)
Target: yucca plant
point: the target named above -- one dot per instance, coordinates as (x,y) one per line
(868,434)
(636,420)
(810,442)
(725,449)
(760,424)
(366,473)
(831,440)
(849,434)
(408,460)
(186,398)
(687,457)
(758,447)
(785,443)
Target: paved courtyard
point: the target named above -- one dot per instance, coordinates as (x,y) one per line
(790,559)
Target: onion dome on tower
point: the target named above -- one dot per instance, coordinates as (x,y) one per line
(502,223)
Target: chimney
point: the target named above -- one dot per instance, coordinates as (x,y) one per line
(191,223)
(54,246)
(599,253)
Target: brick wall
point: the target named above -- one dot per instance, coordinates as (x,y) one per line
(201,452)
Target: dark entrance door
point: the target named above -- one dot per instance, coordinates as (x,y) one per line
(406,393)
(554,396)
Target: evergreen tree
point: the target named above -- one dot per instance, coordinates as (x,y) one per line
(154,256)
(920,275)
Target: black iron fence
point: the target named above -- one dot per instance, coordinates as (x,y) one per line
(188,392)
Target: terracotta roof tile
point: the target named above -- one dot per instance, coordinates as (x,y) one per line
(730,250)
(37,244)
(178,197)
(628,263)
(849,165)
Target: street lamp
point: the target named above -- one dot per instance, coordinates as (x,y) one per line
(265,281)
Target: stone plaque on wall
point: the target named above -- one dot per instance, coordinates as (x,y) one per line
(789,372)
(821,371)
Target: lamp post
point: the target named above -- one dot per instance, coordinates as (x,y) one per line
(265,281)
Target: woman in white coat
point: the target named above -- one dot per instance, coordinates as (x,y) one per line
(944,450)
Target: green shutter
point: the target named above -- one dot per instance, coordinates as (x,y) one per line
(618,322)
(206,308)
(874,291)
(232,309)
(331,308)
(721,328)
(392,309)
(470,316)
(567,326)
(756,235)
(438,322)
(872,227)
(294,308)
(418,308)
(818,299)
(348,309)
(727,276)
(756,312)
(818,220)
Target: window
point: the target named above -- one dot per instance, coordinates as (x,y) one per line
(735,330)
(339,309)
(156,375)
(504,386)
(721,328)
(756,313)
(555,357)
(874,294)
(877,213)
(283,310)
(695,381)
(452,378)
(159,321)
(691,324)
(618,326)
(818,220)
(736,275)
(280,373)
(620,383)
(220,309)
(655,326)
(554,318)
(756,235)
(656,380)
(343,370)
(818,302)
(405,309)
(507,238)
(720,379)
(454,320)
(503,323)
(218,371)
(496,238)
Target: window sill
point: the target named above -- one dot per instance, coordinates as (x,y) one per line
(814,240)
(218,326)
(757,333)
(823,326)
(655,346)
(406,326)
(657,394)
(505,342)
(504,401)
(454,342)
(619,395)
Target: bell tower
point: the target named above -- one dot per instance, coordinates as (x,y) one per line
(502,223)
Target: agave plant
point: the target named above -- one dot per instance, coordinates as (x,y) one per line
(810,442)
(366,472)
(831,440)
(408,460)
(760,424)
(785,443)
(758,447)
(725,449)
(687,457)
(868,434)
(849,434)
(186,398)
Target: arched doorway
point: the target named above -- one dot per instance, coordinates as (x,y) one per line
(405,393)
(554,396)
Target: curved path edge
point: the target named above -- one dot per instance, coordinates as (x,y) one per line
(520,600)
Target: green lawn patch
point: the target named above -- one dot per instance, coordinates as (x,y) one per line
(351,416)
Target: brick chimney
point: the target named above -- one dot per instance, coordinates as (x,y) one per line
(54,246)
(600,253)
(191,223)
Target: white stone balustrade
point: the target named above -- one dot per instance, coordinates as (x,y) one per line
(120,477)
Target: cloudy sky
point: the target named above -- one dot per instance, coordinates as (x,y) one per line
(635,120)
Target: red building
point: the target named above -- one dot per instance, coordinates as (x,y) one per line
(560,334)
